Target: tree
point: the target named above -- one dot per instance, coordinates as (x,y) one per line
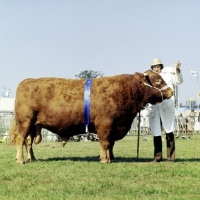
(89,74)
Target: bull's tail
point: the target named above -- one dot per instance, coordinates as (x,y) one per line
(13,132)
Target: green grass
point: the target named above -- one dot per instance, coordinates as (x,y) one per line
(74,172)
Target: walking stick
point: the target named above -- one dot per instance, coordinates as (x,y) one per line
(138,139)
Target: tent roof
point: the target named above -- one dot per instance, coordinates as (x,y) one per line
(7,104)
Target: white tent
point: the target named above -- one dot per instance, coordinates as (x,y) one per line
(7,105)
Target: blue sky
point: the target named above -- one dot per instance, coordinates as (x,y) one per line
(61,38)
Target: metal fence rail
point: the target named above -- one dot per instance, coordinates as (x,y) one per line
(5,121)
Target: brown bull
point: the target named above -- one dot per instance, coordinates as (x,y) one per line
(57,104)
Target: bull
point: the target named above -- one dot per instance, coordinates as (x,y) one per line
(56,104)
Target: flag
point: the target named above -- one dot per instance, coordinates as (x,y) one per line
(6,93)
(194,73)
(191,99)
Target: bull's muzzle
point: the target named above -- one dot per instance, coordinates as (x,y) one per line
(168,93)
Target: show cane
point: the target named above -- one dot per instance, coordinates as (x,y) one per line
(138,139)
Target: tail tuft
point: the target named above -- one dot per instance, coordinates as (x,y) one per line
(12,132)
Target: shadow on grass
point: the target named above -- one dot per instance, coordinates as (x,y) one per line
(177,160)
(75,159)
(118,159)
(88,159)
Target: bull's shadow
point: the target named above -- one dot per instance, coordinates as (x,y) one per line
(118,159)
(85,159)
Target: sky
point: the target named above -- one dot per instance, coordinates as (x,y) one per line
(61,38)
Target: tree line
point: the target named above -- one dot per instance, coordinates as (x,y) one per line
(89,74)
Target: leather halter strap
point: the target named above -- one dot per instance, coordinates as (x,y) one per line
(160,90)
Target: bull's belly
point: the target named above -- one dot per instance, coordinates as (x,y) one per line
(60,120)
(67,130)
(68,125)
(118,134)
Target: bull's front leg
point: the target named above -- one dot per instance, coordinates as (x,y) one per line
(103,154)
(104,128)
(29,148)
(19,145)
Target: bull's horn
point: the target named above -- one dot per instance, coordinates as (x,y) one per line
(145,74)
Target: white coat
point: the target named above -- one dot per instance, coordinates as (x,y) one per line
(165,111)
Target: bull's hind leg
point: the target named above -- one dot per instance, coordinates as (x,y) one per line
(34,132)
(19,145)
(21,134)
(110,154)
(29,148)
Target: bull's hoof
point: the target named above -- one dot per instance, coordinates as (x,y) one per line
(20,162)
(31,160)
(103,161)
(111,161)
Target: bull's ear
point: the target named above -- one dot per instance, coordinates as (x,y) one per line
(147,76)
(148,73)
(138,76)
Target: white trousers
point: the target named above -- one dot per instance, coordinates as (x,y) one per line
(164,112)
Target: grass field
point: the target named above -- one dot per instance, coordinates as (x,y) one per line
(74,172)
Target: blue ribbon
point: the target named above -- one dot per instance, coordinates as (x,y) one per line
(87,103)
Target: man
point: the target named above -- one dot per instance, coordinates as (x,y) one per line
(191,118)
(162,115)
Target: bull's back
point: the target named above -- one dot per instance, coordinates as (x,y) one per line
(50,89)
(54,97)
(61,92)
(61,101)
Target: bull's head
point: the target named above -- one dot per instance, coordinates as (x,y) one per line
(157,88)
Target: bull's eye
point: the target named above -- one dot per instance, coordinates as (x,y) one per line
(158,81)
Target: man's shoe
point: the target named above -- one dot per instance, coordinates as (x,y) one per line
(157,160)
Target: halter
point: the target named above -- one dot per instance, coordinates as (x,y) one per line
(160,90)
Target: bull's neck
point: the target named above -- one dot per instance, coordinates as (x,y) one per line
(137,92)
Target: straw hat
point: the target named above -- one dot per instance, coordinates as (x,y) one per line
(156,61)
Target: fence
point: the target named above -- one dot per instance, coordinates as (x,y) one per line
(6,119)
(5,122)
